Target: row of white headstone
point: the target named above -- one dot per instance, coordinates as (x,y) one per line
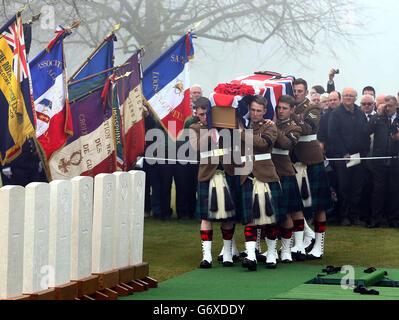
(65,230)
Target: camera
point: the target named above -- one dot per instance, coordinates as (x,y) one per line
(336,71)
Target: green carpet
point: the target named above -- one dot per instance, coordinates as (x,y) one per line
(237,283)
(336,292)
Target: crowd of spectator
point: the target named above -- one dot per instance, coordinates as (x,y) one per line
(360,144)
(351,136)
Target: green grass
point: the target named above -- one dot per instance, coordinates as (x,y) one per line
(174,247)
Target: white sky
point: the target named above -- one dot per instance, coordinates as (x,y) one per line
(369,60)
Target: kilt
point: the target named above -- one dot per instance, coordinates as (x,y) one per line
(319,187)
(246,215)
(202,207)
(292,200)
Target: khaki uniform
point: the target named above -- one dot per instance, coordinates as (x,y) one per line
(207,170)
(287,137)
(308,118)
(264,137)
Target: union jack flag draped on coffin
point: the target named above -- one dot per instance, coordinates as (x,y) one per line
(17,114)
(239,93)
(54,123)
(166,86)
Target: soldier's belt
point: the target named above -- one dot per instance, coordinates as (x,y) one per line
(280,152)
(214,153)
(257,157)
(309,138)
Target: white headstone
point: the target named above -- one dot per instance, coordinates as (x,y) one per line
(103,223)
(122,219)
(60,232)
(82,224)
(36,237)
(137,218)
(12,212)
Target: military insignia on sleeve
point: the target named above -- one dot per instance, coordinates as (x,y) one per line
(313,116)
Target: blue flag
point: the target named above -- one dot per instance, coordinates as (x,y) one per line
(102,60)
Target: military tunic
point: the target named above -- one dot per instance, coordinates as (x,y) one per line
(263,170)
(212,162)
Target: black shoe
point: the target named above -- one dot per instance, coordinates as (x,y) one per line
(205,264)
(310,247)
(260,257)
(250,264)
(271,265)
(228,264)
(297,256)
(312,257)
(345,222)
(235,258)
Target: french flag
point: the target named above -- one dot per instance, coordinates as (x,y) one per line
(54,122)
(166,86)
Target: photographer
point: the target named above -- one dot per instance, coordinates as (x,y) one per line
(385,126)
(330,83)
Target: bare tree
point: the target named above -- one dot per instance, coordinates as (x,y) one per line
(296,24)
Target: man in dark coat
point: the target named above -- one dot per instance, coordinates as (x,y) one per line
(385,126)
(348,138)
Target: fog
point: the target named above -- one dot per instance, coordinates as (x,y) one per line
(370,59)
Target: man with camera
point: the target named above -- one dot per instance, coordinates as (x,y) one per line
(386,144)
(330,83)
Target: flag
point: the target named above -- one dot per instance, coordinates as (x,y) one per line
(271,85)
(100,61)
(17,113)
(91,149)
(239,92)
(131,109)
(166,86)
(110,96)
(54,123)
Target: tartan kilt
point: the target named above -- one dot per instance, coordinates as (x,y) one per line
(246,215)
(202,207)
(319,187)
(292,200)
